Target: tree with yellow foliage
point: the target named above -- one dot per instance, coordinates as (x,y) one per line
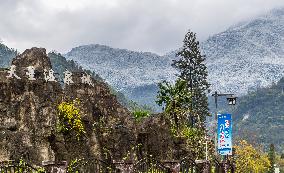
(249,159)
(70,118)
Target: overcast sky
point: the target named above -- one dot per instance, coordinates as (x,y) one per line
(144,25)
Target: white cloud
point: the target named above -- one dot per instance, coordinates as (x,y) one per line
(147,25)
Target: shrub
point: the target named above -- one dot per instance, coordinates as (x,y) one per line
(70,118)
(139,114)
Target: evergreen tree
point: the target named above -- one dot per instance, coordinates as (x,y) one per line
(185,101)
(193,70)
(272,158)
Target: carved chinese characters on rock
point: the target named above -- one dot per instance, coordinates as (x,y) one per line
(31,73)
(68,77)
(12,72)
(49,76)
(86,79)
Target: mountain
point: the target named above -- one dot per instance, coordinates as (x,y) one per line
(241,59)
(248,55)
(135,74)
(259,116)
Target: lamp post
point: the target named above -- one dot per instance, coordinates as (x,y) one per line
(231,101)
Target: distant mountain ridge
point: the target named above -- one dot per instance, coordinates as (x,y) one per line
(133,73)
(241,59)
(247,56)
(120,66)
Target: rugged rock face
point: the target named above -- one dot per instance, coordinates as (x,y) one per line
(28,116)
(29,119)
(156,139)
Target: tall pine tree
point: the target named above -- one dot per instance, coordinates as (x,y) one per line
(193,70)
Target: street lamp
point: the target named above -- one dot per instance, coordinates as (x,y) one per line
(230,98)
(231,101)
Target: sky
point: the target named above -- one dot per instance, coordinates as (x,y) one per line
(155,26)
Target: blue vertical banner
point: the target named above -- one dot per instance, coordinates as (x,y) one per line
(224,134)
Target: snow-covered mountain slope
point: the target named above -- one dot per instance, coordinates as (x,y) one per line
(248,55)
(133,73)
(122,68)
(242,58)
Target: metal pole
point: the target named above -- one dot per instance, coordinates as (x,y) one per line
(216,128)
(206,148)
(216,97)
(216,120)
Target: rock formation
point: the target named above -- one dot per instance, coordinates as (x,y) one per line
(28,116)
(29,120)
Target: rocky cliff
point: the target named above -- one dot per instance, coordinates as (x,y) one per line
(29,116)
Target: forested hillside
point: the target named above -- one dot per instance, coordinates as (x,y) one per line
(259,116)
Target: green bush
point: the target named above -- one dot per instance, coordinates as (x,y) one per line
(139,114)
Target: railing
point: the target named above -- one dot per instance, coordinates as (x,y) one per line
(218,167)
(146,165)
(187,165)
(150,165)
(16,167)
(226,166)
(92,166)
